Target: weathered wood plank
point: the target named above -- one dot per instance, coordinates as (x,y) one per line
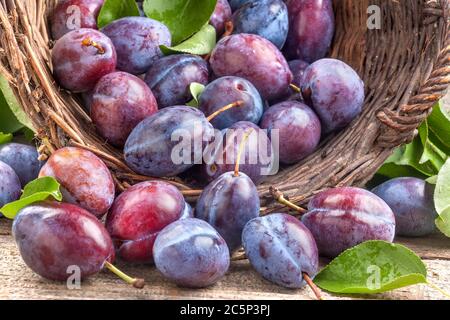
(19,282)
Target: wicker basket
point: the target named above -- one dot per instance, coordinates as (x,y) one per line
(405,66)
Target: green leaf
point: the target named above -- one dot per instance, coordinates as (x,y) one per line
(431,153)
(372,267)
(439,126)
(432,180)
(203,42)
(442,190)
(443,222)
(115,9)
(5,137)
(196,90)
(35,191)
(182,17)
(12,116)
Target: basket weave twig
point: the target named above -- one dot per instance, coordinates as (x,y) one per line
(405,66)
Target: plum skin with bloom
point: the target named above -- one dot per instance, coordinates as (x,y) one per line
(139,214)
(281,249)
(10,187)
(85,179)
(191,253)
(120,101)
(411,200)
(53,236)
(23,159)
(344,217)
(221,15)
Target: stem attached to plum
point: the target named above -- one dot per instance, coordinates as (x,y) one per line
(225,108)
(135,282)
(88,42)
(241,150)
(229,28)
(312,285)
(295,88)
(281,199)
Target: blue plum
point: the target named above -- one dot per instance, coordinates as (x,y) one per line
(254,58)
(335,91)
(168,142)
(23,159)
(226,90)
(266,18)
(411,200)
(311,29)
(257,160)
(53,236)
(227,204)
(81,57)
(342,218)
(220,16)
(281,249)
(191,253)
(10,187)
(170,78)
(119,102)
(137,41)
(298,127)
(236,4)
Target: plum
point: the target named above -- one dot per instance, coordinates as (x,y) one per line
(137,41)
(81,57)
(281,249)
(70,15)
(220,16)
(344,217)
(226,90)
(191,253)
(236,4)
(254,58)
(298,127)
(10,187)
(266,18)
(335,92)
(139,214)
(23,159)
(168,142)
(170,78)
(227,204)
(85,179)
(411,200)
(298,68)
(311,29)
(120,102)
(53,236)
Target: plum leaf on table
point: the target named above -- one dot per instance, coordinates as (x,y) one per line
(116,9)
(442,191)
(202,42)
(35,191)
(182,17)
(372,267)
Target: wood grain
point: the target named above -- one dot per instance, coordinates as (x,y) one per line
(241,283)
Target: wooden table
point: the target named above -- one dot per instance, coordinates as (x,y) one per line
(19,282)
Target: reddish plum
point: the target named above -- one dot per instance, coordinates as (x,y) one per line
(170,78)
(137,41)
(411,200)
(298,68)
(311,29)
(191,253)
(119,102)
(81,57)
(71,15)
(52,237)
(281,249)
(220,16)
(139,214)
(335,91)
(253,58)
(85,180)
(342,218)
(298,129)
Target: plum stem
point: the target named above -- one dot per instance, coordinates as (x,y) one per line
(225,108)
(135,282)
(229,28)
(312,285)
(295,88)
(435,287)
(88,42)
(241,150)
(281,199)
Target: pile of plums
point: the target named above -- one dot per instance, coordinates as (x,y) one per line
(137,99)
